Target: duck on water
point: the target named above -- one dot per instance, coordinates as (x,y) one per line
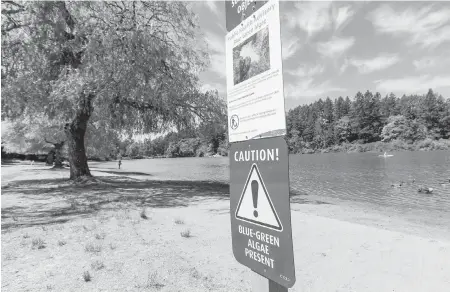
(399,185)
(425,190)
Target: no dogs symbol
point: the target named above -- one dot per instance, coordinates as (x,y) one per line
(234,122)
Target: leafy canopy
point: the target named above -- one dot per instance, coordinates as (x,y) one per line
(140,60)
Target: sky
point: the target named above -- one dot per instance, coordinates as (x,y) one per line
(338,48)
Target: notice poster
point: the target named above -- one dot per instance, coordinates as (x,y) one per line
(255,96)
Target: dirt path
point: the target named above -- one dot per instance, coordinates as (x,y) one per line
(129,234)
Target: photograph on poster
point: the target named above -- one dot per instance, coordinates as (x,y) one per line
(252,57)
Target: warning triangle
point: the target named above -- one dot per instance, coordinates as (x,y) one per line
(255,205)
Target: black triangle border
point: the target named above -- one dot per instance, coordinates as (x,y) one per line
(279,229)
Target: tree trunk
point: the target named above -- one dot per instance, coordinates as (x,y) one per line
(58,157)
(75,132)
(50,157)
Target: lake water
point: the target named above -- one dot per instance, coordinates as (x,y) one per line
(362,178)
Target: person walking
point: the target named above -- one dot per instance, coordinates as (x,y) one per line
(119,157)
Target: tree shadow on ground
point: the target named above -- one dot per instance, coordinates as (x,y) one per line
(49,168)
(115,172)
(50,201)
(118,172)
(8,162)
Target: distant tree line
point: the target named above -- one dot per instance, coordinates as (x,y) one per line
(207,139)
(367,122)
(391,123)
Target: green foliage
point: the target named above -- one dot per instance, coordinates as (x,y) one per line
(38,134)
(188,147)
(394,145)
(172,150)
(140,59)
(430,144)
(345,125)
(133,150)
(208,138)
(366,117)
(35,134)
(342,130)
(183,144)
(398,127)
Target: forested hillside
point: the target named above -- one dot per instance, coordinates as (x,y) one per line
(370,122)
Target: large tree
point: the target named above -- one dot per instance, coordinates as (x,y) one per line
(135,64)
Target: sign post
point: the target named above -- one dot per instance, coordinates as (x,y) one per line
(259,163)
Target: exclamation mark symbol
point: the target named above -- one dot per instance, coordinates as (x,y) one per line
(255,187)
(276,153)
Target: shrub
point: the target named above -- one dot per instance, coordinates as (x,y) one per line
(97,265)
(143,214)
(37,243)
(186,233)
(93,248)
(87,276)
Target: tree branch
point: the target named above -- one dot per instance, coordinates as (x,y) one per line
(46,141)
(135,104)
(66,15)
(12,11)
(14,26)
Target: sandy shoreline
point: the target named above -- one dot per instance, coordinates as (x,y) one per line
(336,248)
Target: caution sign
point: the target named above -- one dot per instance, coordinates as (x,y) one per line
(260,208)
(255,205)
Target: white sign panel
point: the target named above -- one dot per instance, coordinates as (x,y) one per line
(255,94)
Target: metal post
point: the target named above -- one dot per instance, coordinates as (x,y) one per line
(262,284)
